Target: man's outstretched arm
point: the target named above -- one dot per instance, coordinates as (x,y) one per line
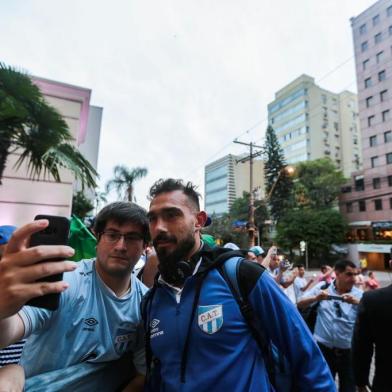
(20,268)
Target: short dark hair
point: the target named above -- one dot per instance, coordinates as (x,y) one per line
(171,185)
(122,212)
(341,265)
(300,266)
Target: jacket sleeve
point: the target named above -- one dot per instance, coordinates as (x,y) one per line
(362,344)
(283,324)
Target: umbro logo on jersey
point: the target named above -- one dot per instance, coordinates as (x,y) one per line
(90,321)
(155,331)
(154,323)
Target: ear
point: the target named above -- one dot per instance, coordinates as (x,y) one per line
(201,218)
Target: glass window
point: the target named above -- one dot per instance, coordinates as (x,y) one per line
(359,184)
(383,95)
(385,115)
(390,30)
(370,121)
(389,180)
(389,11)
(388,136)
(379,56)
(364,46)
(368,82)
(376,20)
(369,101)
(381,75)
(376,183)
(362,29)
(389,158)
(378,204)
(365,64)
(362,205)
(377,38)
(349,207)
(373,140)
(390,203)
(374,161)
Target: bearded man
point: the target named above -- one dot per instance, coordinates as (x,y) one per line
(196,335)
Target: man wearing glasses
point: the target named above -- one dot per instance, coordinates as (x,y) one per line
(336,315)
(98,319)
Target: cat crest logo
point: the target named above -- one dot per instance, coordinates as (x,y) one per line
(210,318)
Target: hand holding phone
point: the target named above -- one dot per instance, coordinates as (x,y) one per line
(22,264)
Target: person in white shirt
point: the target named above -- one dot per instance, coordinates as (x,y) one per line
(300,283)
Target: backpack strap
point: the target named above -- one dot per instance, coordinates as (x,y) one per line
(230,271)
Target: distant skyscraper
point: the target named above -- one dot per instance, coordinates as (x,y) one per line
(311,123)
(225,180)
(367,199)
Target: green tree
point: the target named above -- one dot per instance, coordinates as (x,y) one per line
(317,183)
(278,182)
(81,206)
(123,181)
(222,230)
(37,131)
(320,228)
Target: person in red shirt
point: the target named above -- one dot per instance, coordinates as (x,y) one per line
(371,283)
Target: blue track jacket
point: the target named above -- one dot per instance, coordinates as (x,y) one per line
(222,354)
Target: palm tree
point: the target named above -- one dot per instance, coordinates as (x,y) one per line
(123,180)
(37,131)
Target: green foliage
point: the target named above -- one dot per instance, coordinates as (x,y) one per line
(123,181)
(279,185)
(320,228)
(317,183)
(221,229)
(81,206)
(42,136)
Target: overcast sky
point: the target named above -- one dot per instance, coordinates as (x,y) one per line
(179,80)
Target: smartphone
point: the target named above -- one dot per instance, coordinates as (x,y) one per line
(338,297)
(56,233)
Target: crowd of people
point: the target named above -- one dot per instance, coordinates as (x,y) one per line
(158,309)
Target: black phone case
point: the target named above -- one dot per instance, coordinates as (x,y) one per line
(56,233)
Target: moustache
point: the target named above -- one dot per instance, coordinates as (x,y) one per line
(164,238)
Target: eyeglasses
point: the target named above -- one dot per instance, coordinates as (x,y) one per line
(338,309)
(112,237)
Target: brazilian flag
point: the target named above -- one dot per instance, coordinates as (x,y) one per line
(82,240)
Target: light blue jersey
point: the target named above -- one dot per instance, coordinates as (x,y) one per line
(335,319)
(91,324)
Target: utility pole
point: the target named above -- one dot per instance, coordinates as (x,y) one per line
(251,210)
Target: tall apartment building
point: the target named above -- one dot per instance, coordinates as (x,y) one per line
(367,199)
(311,123)
(225,180)
(22,198)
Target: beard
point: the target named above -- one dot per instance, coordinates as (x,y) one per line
(172,263)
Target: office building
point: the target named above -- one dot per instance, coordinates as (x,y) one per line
(311,122)
(225,180)
(367,198)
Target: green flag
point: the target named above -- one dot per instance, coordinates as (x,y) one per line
(82,240)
